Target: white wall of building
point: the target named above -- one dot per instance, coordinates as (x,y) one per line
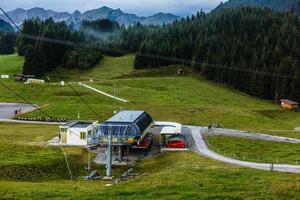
(74,135)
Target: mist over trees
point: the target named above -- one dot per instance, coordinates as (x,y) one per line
(46,52)
(100,25)
(254,50)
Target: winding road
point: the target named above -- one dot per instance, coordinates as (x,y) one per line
(197,134)
(251,135)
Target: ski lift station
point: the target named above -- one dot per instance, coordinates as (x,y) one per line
(125,128)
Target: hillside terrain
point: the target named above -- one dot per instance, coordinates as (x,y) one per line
(280,5)
(168,97)
(31,170)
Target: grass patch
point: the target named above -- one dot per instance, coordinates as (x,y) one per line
(11,64)
(256,150)
(24,156)
(183,175)
(35,171)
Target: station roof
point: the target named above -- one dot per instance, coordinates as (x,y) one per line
(169,131)
(126,116)
(78,124)
(289,101)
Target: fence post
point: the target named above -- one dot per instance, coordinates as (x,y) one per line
(272,167)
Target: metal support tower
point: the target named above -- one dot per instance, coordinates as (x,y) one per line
(109,155)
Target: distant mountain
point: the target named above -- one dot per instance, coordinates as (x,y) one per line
(160,18)
(19,15)
(123,18)
(279,5)
(5,27)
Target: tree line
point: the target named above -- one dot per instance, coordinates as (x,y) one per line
(7,38)
(51,45)
(7,42)
(254,50)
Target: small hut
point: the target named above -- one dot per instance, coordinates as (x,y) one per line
(289,104)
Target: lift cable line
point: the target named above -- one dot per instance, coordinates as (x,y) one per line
(10,19)
(147,55)
(82,99)
(35,106)
(65,155)
(56,72)
(56,41)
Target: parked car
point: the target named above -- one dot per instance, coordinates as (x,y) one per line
(177,141)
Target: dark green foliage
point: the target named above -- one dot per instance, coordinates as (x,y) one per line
(280,5)
(7,43)
(100,25)
(5,27)
(32,28)
(83,58)
(51,45)
(254,50)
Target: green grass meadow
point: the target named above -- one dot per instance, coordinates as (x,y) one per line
(256,150)
(11,64)
(188,100)
(31,170)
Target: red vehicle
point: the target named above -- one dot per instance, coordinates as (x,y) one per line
(144,144)
(176,142)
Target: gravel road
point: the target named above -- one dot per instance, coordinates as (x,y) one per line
(7,110)
(201,148)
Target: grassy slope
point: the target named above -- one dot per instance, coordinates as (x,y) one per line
(169,176)
(255,150)
(108,68)
(24,156)
(183,99)
(11,64)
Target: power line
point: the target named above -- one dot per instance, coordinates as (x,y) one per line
(58,41)
(82,99)
(27,101)
(147,55)
(33,105)
(10,19)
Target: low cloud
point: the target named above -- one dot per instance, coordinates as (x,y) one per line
(140,7)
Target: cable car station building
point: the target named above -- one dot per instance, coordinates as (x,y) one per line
(125,128)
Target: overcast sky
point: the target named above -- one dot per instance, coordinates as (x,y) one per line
(140,7)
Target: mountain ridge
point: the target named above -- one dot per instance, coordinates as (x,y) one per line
(19,15)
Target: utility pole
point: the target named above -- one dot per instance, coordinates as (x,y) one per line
(89,160)
(115,100)
(109,155)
